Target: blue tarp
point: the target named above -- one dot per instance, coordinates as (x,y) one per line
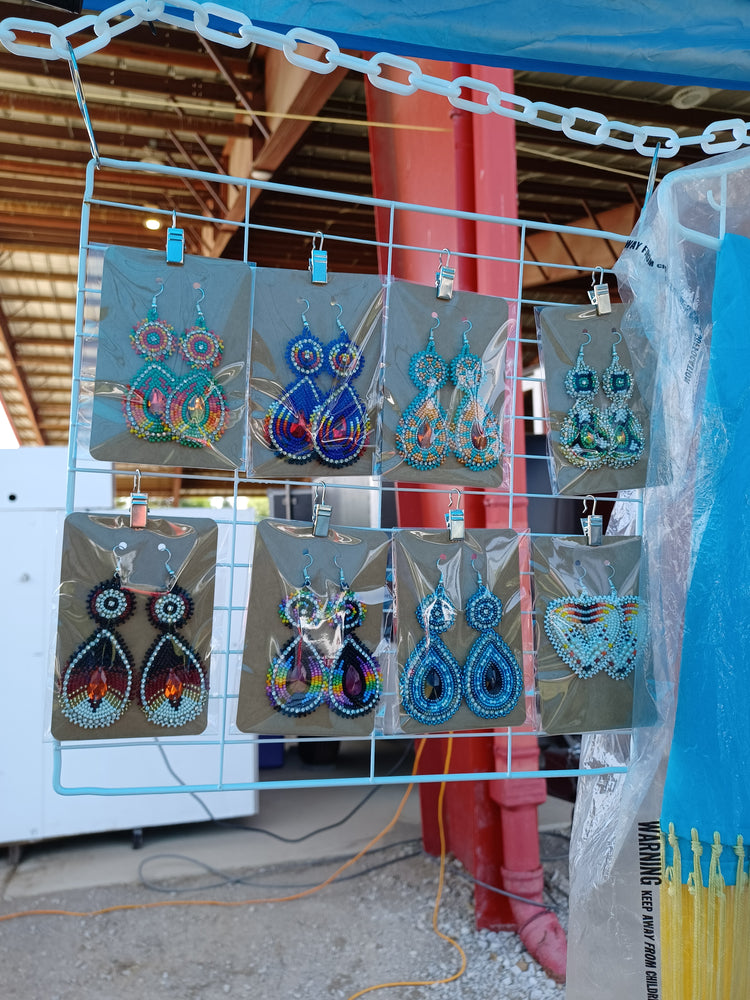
(673,41)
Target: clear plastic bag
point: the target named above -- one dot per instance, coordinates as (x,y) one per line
(135,616)
(453,424)
(597,390)
(466,671)
(171,376)
(315,659)
(589,631)
(315,360)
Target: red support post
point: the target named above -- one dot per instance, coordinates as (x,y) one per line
(459,160)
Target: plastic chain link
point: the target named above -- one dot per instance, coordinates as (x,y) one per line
(405,78)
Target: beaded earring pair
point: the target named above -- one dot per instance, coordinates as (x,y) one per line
(592,437)
(304,423)
(160,405)
(425,436)
(594,632)
(300,679)
(97,682)
(433,684)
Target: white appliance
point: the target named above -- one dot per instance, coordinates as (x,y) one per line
(33,484)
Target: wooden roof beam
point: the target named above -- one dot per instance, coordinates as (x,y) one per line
(21,387)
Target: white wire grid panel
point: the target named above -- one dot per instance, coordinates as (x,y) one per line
(216,770)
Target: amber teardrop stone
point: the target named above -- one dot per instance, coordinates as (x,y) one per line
(97,686)
(173,688)
(424,434)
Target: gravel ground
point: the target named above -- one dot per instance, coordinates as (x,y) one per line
(352,934)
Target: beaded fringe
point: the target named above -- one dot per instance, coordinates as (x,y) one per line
(704,929)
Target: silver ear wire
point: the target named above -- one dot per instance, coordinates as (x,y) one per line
(163,548)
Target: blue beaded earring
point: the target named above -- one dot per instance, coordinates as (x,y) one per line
(625,652)
(476,439)
(296,679)
(584,434)
(340,426)
(625,431)
(287,421)
(422,434)
(493,681)
(431,681)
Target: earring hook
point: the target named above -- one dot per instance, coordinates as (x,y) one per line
(305,310)
(307,567)
(340,308)
(581,572)
(342,579)
(121,546)
(619,337)
(609,566)
(163,548)
(155,296)
(198,309)
(586,342)
(474,557)
(435,325)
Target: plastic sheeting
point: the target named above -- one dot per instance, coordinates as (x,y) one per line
(627,39)
(667,272)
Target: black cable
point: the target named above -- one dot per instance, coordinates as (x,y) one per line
(225,879)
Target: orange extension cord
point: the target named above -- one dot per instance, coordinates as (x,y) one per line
(305,892)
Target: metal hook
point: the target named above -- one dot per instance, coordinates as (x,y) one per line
(450,497)
(586,342)
(601,276)
(448,258)
(619,337)
(609,566)
(342,579)
(320,486)
(305,311)
(444,558)
(137,481)
(474,557)
(318,234)
(163,548)
(592,498)
(340,308)
(581,573)
(454,518)
(435,325)
(174,219)
(198,309)
(307,567)
(120,546)
(466,332)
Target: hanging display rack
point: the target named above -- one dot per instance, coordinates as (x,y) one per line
(235,529)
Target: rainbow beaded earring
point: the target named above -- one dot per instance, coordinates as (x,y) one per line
(431,681)
(625,432)
(196,407)
(296,679)
(422,434)
(287,421)
(145,401)
(475,433)
(355,681)
(493,681)
(95,685)
(340,426)
(584,434)
(173,681)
